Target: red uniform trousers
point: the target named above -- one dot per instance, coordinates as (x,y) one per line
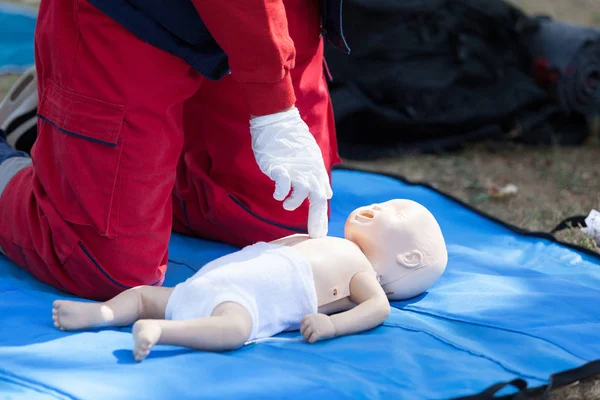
(133,143)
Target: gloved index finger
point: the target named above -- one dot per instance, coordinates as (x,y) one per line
(318,224)
(328,190)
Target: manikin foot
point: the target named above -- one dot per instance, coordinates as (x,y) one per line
(146,334)
(73,315)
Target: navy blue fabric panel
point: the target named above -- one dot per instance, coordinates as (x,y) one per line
(179,17)
(176,27)
(204,54)
(508,306)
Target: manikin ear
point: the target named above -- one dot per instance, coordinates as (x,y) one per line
(410,259)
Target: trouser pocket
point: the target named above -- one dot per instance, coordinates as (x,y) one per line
(77,157)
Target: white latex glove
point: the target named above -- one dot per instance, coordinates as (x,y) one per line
(287,152)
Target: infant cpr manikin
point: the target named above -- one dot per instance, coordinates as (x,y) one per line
(325,287)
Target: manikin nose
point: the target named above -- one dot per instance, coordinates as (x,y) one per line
(367,214)
(364,216)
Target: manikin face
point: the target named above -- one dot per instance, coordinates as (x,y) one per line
(403,242)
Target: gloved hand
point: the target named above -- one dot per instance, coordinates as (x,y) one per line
(287,152)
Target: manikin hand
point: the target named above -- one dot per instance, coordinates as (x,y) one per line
(317,326)
(287,152)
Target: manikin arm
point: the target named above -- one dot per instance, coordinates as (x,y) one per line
(371,311)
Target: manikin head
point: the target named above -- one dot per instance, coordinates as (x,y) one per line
(403,242)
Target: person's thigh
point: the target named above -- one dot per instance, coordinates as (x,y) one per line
(221,194)
(93,215)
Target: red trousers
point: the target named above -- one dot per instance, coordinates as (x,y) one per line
(132,144)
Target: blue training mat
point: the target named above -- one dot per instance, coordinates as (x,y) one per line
(17,27)
(508,306)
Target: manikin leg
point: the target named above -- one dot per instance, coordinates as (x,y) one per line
(228,328)
(122,310)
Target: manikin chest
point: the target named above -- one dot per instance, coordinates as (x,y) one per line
(334,262)
(334,272)
(331,282)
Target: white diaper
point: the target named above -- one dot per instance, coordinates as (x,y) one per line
(273,282)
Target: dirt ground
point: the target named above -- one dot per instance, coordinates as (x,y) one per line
(551,183)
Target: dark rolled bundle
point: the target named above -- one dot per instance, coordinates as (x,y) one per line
(566,60)
(580,90)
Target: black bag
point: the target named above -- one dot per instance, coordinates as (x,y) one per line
(429,75)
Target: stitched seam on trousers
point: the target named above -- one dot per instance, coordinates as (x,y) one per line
(116,181)
(93,260)
(22,255)
(276,224)
(185,214)
(97,264)
(211,220)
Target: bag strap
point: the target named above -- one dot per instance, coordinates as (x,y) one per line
(570,376)
(557,380)
(490,392)
(577,220)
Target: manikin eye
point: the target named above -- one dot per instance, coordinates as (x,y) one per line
(401,217)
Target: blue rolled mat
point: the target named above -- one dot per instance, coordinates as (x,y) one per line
(17,27)
(567,60)
(508,306)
